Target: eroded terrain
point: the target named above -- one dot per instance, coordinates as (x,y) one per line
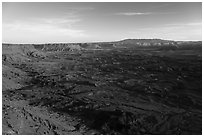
(120,91)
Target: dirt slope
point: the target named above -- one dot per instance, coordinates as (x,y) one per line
(18,117)
(21,119)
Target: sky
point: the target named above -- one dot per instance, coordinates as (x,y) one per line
(63,22)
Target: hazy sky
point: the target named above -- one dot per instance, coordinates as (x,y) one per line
(89,22)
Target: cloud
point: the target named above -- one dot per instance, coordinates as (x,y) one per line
(42,30)
(142,13)
(76,11)
(133,13)
(185,24)
(49,26)
(59,20)
(194,24)
(81,8)
(175,32)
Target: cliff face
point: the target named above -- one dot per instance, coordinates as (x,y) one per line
(157,42)
(15,53)
(61,47)
(127,43)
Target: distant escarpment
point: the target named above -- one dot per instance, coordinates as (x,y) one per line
(37,50)
(127,43)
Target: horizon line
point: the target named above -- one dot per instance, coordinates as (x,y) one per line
(107,41)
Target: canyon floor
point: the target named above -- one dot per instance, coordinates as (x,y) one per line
(121,91)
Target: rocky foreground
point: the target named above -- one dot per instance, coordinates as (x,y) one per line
(102,88)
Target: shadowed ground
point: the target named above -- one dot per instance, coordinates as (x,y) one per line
(117,91)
